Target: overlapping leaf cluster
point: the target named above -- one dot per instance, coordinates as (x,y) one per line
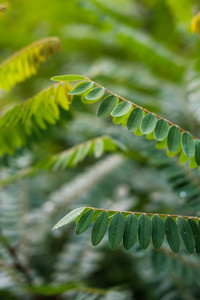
(25,62)
(28,116)
(138,120)
(127,226)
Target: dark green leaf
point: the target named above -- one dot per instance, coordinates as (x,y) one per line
(148,123)
(197,152)
(116,230)
(95,94)
(188,144)
(173,139)
(135,119)
(99,228)
(196,232)
(81,88)
(158,231)
(121,109)
(144,231)
(68,78)
(84,221)
(172,233)
(70,217)
(186,234)
(161,130)
(107,106)
(131,230)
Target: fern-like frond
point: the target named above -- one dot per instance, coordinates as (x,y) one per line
(24,63)
(35,113)
(70,157)
(138,119)
(127,226)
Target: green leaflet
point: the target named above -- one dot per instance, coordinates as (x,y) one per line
(161,130)
(186,234)
(107,106)
(130,232)
(95,94)
(182,158)
(68,78)
(161,144)
(144,231)
(98,148)
(148,123)
(197,152)
(188,144)
(116,230)
(158,231)
(173,139)
(81,88)
(99,228)
(172,233)
(192,163)
(121,109)
(196,232)
(135,119)
(70,217)
(84,221)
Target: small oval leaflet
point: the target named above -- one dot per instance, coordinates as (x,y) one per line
(148,123)
(99,228)
(196,232)
(186,234)
(135,119)
(116,230)
(158,231)
(197,152)
(121,109)
(144,231)
(81,88)
(84,221)
(70,217)
(95,94)
(172,234)
(98,148)
(130,232)
(161,130)
(68,78)
(107,106)
(188,144)
(173,139)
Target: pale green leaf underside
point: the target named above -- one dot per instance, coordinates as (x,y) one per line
(68,78)
(121,109)
(70,217)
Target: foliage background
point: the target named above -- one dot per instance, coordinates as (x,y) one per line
(146,52)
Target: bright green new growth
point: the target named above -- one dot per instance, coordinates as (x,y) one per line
(26,62)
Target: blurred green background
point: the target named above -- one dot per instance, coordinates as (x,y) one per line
(145,51)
